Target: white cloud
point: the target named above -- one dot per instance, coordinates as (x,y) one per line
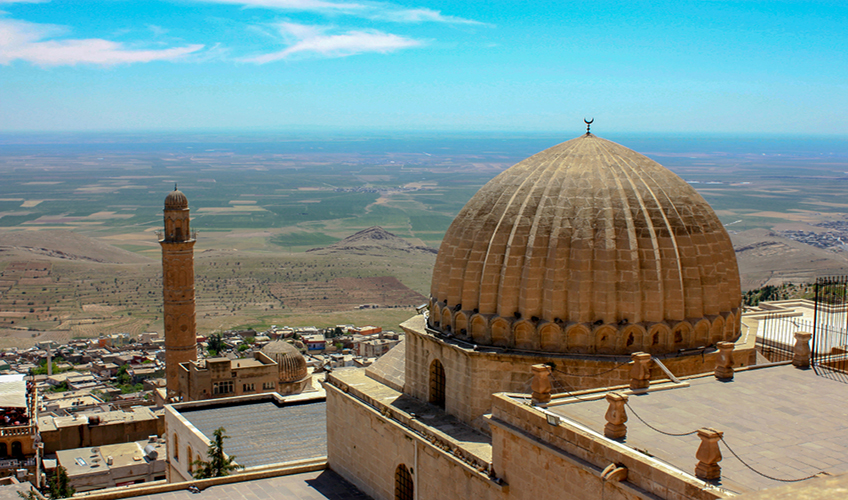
(419,16)
(367,9)
(22,40)
(312,39)
(301,5)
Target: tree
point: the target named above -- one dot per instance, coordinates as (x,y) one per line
(123,377)
(58,486)
(216,343)
(218,464)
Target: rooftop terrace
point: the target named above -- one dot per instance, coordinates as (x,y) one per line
(784,422)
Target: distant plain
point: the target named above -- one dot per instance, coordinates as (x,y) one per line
(79,214)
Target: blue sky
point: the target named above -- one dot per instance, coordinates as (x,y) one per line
(707,66)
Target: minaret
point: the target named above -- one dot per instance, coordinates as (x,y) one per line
(178,288)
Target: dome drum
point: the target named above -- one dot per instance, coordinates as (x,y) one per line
(540,335)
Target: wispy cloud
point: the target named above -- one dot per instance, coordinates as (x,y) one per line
(381,11)
(313,40)
(23,1)
(297,5)
(37,43)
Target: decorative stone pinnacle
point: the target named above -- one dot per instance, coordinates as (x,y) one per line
(541,385)
(640,371)
(616,415)
(724,361)
(708,454)
(802,352)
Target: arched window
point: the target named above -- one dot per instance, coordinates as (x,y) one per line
(437,383)
(404,488)
(4,450)
(188,459)
(17,449)
(176,447)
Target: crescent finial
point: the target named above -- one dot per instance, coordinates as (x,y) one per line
(588,124)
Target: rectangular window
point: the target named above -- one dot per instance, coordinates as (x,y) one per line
(268,386)
(222,387)
(247,388)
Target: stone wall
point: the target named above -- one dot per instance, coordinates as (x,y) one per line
(365,448)
(527,451)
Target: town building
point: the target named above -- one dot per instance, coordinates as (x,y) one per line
(95,428)
(109,466)
(279,367)
(267,430)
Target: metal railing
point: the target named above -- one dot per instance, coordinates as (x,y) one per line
(830,334)
(776,335)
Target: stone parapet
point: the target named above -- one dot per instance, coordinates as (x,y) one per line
(515,425)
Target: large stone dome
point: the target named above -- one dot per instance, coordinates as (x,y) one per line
(291,363)
(587,247)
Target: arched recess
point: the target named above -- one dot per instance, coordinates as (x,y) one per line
(501,332)
(188,459)
(605,339)
(717,330)
(702,334)
(657,340)
(435,315)
(446,320)
(479,330)
(4,451)
(551,338)
(460,323)
(731,329)
(176,447)
(633,339)
(17,449)
(404,487)
(681,336)
(577,338)
(524,333)
(437,383)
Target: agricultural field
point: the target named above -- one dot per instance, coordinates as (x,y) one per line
(79,214)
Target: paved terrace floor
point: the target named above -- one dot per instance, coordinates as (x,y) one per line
(785,422)
(263,433)
(319,485)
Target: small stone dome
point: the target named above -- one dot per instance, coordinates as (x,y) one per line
(176,200)
(292,365)
(587,247)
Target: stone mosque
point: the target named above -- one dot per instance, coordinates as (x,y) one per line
(588,263)
(579,286)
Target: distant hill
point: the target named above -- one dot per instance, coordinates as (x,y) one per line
(373,241)
(61,244)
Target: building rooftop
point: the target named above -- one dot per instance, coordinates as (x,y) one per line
(263,432)
(318,485)
(94,460)
(781,420)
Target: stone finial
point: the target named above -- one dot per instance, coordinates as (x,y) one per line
(801,358)
(640,370)
(708,454)
(541,385)
(616,415)
(724,361)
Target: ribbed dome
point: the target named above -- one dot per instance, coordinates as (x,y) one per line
(292,365)
(587,247)
(176,200)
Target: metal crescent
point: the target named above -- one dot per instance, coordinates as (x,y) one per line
(588,122)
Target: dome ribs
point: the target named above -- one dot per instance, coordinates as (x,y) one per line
(534,282)
(627,263)
(510,239)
